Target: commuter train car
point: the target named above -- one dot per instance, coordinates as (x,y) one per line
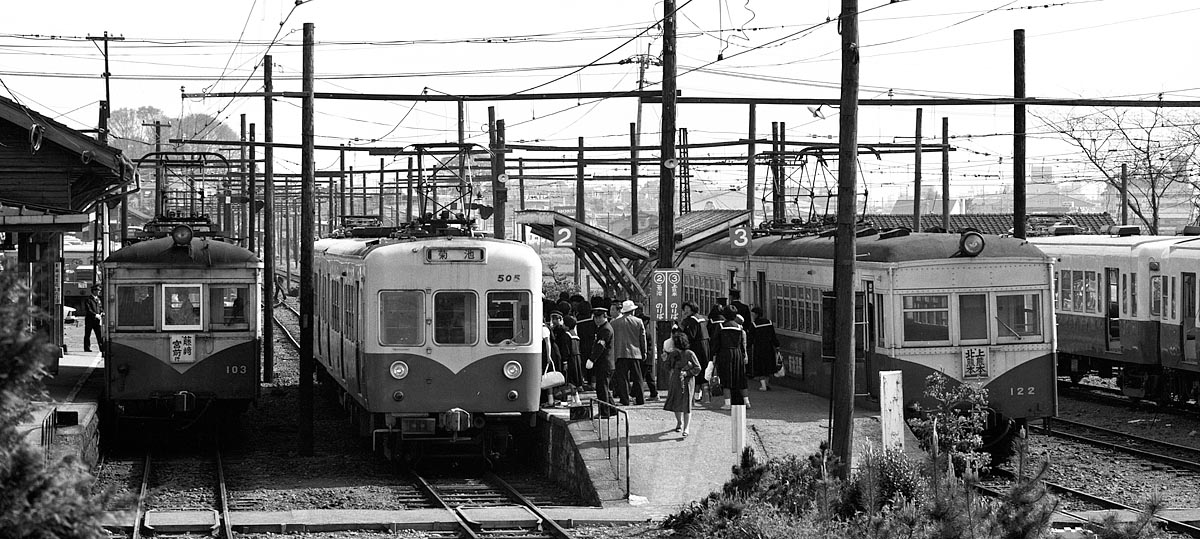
(183,327)
(432,336)
(976,308)
(1126,308)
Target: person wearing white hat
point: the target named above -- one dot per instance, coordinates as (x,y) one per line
(629,347)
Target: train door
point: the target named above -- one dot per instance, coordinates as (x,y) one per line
(1112,315)
(1188,317)
(864,337)
(760,290)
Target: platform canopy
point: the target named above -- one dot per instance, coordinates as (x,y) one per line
(18,217)
(47,164)
(625,264)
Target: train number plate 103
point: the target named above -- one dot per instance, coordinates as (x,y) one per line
(450,255)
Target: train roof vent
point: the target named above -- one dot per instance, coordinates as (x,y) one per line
(1133,230)
(1190,230)
(1063,230)
(894,233)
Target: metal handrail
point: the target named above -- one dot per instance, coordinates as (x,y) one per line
(606,434)
(49,433)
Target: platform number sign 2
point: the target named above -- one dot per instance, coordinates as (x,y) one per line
(740,237)
(564,236)
(666,294)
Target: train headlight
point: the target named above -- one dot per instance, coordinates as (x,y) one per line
(182,235)
(512,370)
(971,243)
(399,370)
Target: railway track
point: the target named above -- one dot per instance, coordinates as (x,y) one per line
(486,506)
(1178,456)
(188,507)
(1062,491)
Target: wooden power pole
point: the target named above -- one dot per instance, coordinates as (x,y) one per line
(268,297)
(307,186)
(843,275)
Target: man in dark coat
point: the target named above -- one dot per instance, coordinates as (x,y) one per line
(601,360)
(92,310)
(629,348)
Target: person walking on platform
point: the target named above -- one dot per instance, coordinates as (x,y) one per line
(743,310)
(93,310)
(764,349)
(600,360)
(684,368)
(696,329)
(629,347)
(729,351)
(649,361)
(586,331)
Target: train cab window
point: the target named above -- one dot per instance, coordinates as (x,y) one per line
(181,307)
(508,317)
(454,317)
(402,317)
(227,307)
(926,318)
(135,306)
(1019,316)
(972,317)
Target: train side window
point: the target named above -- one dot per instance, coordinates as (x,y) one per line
(182,307)
(1077,286)
(1066,290)
(1133,294)
(926,318)
(227,307)
(402,317)
(454,317)
(335,305)
(1156,295)
(135,306)
(1124,293)
(508,317)
(1018,315)
(972,317)
(1090,289)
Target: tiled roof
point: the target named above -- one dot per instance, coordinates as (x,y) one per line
(998,223)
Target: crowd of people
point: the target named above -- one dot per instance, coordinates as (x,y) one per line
(603,345)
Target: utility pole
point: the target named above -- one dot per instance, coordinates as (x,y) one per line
(103,135)
(643,61)
(1124,194)
(844,247)
(251,190)
(499,182)
(634,137)
(580,212)
(307,185)
(917,174)
(268,298)
(1019,134)
(160,187)
(750,164)
(946,173)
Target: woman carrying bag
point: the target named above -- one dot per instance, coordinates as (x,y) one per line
(684,368)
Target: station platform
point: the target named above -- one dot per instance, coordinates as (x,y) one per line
(65,420)
(667,470)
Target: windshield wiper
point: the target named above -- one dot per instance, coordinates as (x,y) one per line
(1010,330)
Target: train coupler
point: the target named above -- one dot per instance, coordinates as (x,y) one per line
(185,401)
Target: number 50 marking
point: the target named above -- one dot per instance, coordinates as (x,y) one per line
(564,236)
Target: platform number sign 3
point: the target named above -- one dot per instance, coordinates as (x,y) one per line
(564,236)
(739,237)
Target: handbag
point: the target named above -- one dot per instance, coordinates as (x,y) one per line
(552,377)
(693,366)
(714,383)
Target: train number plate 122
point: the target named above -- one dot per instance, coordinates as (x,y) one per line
(450,255)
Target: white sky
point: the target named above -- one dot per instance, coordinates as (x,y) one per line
(919,48)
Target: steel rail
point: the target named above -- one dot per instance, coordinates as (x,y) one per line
(140,512)
(432,492)
(1167,459)
(555,529)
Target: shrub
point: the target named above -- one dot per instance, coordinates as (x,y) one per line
(37,499)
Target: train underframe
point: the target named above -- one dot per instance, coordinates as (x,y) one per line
(1150,382)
